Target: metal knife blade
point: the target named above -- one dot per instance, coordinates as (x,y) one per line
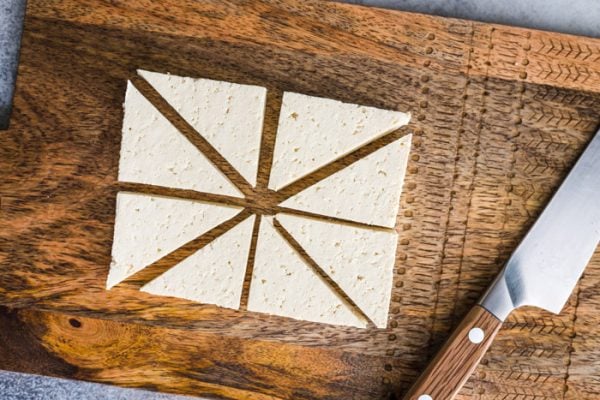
(545,267)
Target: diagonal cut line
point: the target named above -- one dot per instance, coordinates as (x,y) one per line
(339,164)
(269,131)
(186,194)
(327,218)
(319,271)
(250,265)
(191,134)
(167,262)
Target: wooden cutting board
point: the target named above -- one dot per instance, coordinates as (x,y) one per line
(499,116)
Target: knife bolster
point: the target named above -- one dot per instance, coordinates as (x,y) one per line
(497,300)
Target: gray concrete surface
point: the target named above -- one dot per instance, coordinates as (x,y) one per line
(580,17)
(11,15)
(14,386)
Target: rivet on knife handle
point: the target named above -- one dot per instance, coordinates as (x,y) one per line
(541,272)
(456,361)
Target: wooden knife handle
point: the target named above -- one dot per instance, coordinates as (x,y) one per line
(457,359)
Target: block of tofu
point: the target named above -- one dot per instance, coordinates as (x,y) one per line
(284,284)
(314,131)
(361,261)
(212,275)
(228,115)
(150,227)
(366,191)
(155,153)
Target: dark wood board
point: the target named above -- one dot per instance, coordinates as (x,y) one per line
(499,116)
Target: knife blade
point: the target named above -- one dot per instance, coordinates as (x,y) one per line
(542,272)
(547,264)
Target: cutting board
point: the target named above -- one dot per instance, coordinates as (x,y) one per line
(500,114)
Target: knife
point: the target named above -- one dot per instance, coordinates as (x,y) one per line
(542,272)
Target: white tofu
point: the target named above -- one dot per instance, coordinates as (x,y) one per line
(155,153)
(283,284)
(150,227)
(366,191)
(212,275)
(228,115)
(314,131)
(361,261)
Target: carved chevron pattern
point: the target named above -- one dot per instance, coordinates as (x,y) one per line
(565,49)
(564,72)
(522,383)
(536,325)
(559,118)
(562,97)
(521,374)
(508,392)
(531,192)
(521,348)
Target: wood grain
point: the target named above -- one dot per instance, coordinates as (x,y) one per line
(457,359)
(499,116)
(179,361)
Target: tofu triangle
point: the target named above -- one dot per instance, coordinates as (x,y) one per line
(154,152)
(314,132)
(360,260)
(228,115)
(283,284)
(212,275)
(149,227)
(367,191)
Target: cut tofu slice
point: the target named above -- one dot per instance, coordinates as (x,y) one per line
(366,191)
(228,115)
(361,261)
(155,153)
(283,284)
(150,227)
(212,275)
(314,131)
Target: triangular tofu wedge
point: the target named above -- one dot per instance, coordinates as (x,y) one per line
(155,153)
(283,284)
(228,115)
(150,227)
(366,191)
(314,131)
(212,275)
(361,261)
